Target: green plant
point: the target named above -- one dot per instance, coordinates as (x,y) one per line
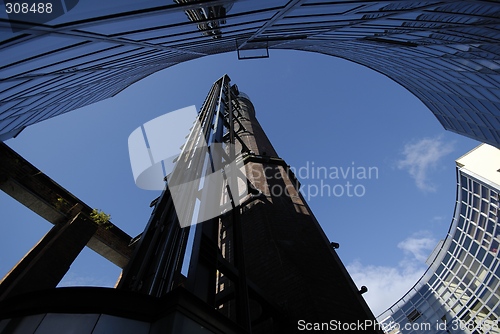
(61,204)
(101,218)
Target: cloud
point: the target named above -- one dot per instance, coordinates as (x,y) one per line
(386,284)
(419,245)
(438,219)
(73,279)
(421,157)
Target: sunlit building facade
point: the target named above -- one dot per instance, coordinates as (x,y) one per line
(76,53)
(460,292)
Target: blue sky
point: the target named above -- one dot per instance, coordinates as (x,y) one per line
(317,110)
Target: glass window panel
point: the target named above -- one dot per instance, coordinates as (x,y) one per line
(468,278)
(446,258)
(452,247)
(246,6)
(455,267)
(488,260)
(187,38)
(475,201)
(42,115)
(10,123)
(24,67)
(440,269)
(473,248)
(9,108)
(481,222)
(494,121)
(481,253)
(471,230)
(432,279)
(90,9)
(464,193)
(490,226)
(479,234)
(492,302)
(494,246)
(475,266)
(494,195)
(467,242)
(461,273)
(493,283)
(44,43)
(102,54)
(78,54)
(177,22)
(321,9)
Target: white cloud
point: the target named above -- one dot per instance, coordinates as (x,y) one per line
(419,245)
(386,285)
(421,157)
(73,279)
(438,219)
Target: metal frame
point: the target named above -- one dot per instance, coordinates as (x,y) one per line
(216,271)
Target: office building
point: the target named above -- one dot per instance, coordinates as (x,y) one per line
(460,292)
(79,52)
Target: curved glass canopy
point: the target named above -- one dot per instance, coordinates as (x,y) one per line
(446,53)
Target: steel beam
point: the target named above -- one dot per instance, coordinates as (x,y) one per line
(38,192)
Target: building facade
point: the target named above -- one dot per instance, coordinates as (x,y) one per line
(72,53)
(460,292)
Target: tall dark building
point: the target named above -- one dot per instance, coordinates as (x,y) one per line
(444,52)
(261,265)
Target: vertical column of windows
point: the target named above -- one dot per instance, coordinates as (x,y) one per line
(484,308)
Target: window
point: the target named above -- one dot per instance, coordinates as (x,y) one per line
(414,315)
(473,249)
(480,254)
(467,242)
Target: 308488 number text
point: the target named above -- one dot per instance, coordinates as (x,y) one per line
(26,8)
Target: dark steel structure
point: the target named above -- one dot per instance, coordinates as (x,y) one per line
(47,263)
(264,263)
(227,268)
(445,52)
(156,266)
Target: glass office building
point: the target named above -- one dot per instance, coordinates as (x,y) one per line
(57,58)
(460,292)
